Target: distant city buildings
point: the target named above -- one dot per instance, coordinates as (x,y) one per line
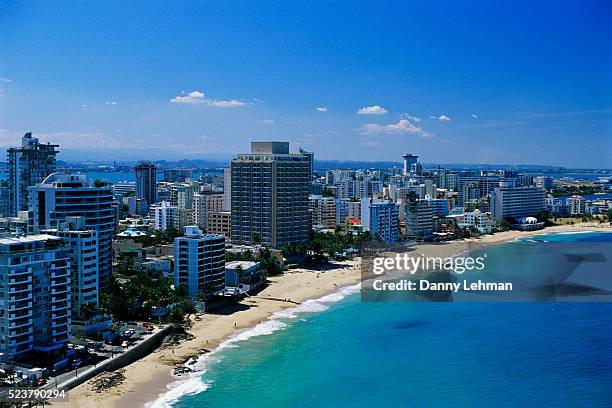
(146,181)
(220,223)
(323,212)
(28,165)
(409,161)
(270,195)
(177,175)
(166,216)
(544,182)
(476,187)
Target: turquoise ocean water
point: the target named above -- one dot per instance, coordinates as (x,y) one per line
(340,352)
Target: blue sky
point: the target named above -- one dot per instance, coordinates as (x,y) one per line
(455,82)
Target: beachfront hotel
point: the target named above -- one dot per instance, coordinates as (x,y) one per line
(508,201)
(199,262)
(270,195)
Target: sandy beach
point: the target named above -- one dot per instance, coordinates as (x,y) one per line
(149,377)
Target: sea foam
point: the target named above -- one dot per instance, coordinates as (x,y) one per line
(195,383)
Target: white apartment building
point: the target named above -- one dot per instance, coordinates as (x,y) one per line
(576,205)
(480,220)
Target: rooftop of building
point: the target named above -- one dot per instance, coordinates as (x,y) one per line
(244,264)
(27,239)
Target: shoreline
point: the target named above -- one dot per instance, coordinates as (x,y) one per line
(149,377)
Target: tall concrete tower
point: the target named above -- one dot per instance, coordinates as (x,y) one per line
(409,160)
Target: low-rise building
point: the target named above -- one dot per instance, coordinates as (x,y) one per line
(243,274)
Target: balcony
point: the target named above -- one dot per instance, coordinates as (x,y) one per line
(20,315)
(64,313)
(59,291)
(60,331)
(22,280)
(60,273)
(24,296)
(21,341)
(20,289)
(27,305)
(23,323)
(64,281)
(16,272)
(56,308)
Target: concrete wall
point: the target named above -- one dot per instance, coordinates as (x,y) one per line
(140,350)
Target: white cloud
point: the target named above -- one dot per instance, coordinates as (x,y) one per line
(404,126)
(84,105)
(321,108)
(475,116)
(268,121)
(372,110)
(198,98)
(409,117)
(5,79)
(111,102)
(441,118)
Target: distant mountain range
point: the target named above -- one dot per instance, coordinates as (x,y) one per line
(168,159)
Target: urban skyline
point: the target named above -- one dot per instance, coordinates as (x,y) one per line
(261,203)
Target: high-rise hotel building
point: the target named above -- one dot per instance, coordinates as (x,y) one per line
(270,195)
(508,201)
(27,165)
(61,196)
